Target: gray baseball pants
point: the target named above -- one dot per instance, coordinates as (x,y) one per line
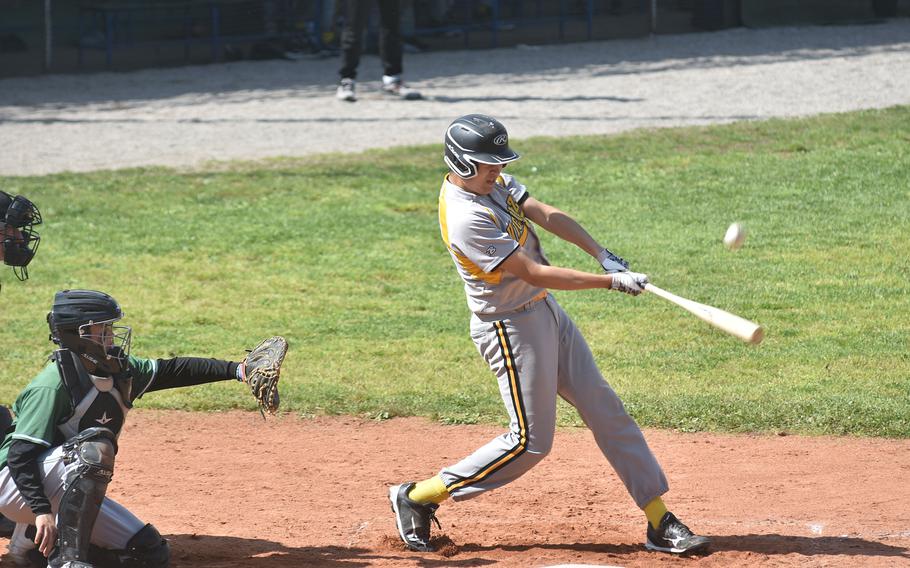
(537,353)
(115,525)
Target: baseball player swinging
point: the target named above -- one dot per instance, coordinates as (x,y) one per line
(529,342)
(58,457)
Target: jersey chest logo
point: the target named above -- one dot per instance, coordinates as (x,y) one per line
(518,224)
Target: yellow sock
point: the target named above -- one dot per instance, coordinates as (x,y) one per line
(655,511)
(431,490)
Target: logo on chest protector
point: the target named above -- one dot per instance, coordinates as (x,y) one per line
(491,250)
(104,411)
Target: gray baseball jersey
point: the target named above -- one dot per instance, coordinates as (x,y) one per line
(533,348)
(481,231)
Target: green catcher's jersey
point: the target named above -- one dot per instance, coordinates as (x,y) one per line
(49,412)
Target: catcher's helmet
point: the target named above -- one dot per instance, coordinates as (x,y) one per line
(73,322)
(476,138)
(18,237)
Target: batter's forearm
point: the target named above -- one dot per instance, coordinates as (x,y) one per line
(568,229)
(558,278)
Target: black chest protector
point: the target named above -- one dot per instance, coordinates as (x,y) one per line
(96,401)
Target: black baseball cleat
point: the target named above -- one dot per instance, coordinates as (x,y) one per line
(6,527)
(674,537)
(413,518)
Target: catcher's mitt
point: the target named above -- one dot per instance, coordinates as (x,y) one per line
(261,370)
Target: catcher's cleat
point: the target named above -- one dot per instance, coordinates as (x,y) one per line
(6,527)
(413,518)
(22,550)
(261,371)
(674,537)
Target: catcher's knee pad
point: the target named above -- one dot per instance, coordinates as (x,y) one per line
(93,451)
(90,466)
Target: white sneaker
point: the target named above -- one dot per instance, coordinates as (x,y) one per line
(392,85)
(19,545)
(345,91)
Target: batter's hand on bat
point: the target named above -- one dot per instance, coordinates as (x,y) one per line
(611,262)
(629,282)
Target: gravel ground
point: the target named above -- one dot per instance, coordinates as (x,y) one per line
(188,116)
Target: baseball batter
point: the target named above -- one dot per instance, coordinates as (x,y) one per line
(58,457)
(529,342)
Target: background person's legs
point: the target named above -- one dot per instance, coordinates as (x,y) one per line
(355,16)
(390,37)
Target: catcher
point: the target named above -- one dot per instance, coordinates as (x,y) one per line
(58,457)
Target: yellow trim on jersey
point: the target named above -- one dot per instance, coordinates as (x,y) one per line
(515,390)
(523,238)
(443,221)
(476,272)
(472,269)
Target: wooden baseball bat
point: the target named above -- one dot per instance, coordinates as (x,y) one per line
(748,331)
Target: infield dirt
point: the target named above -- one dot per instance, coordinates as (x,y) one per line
(229,490)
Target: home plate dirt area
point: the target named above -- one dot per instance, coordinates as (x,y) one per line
(231,490)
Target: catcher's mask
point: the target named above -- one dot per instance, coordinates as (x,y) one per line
(476,138)
(18,217)
(83,322)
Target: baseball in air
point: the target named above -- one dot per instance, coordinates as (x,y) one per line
(735,236)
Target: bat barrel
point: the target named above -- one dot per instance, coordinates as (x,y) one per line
(746,330)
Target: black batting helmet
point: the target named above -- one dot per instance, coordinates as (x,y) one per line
(18,237)
(476,138)
(71,322)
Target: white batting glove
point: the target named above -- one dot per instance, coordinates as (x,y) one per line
(629,282)
(611,262)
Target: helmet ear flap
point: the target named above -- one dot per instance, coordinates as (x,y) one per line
(465,169)
(456,157)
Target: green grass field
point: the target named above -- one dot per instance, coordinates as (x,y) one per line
(342,255)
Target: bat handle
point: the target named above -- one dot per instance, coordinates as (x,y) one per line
(649,287)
